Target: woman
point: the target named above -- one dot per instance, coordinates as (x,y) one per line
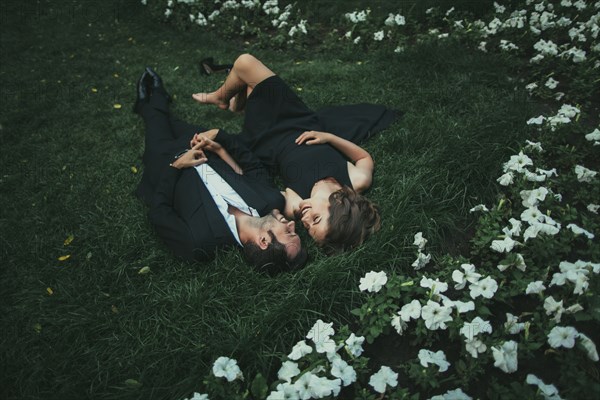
(324,173)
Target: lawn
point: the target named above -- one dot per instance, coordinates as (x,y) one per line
(80,327)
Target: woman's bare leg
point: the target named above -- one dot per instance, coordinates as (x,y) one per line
(247,72)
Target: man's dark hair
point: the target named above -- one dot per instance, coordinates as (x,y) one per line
(273,259)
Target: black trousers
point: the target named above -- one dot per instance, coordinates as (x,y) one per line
(165,136)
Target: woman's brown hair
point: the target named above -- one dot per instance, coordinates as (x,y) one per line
(352,219)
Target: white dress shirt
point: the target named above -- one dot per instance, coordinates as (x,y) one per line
(224,196)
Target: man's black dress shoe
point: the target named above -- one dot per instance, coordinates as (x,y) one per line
(143,93)
(157,83)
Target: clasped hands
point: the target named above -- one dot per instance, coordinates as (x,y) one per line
(196,156)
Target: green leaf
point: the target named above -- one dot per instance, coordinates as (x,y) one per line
(259,387)
(132,383)
(356,312)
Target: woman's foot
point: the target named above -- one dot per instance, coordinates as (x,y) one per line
(211,98)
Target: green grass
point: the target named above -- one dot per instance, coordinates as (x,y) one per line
(66,169)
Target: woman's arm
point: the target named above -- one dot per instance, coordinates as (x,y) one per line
(361,169)
(211,145)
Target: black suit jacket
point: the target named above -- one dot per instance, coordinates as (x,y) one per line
(184,213)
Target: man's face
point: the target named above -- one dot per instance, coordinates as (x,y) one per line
(285,233)
(314,214)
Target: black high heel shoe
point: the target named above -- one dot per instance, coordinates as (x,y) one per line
(208,66)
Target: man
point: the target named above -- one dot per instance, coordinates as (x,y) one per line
(212,196)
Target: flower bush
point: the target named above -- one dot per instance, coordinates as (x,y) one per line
(521,310)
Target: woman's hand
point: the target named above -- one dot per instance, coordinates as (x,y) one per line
(210,134)
(195,156)
(314,137)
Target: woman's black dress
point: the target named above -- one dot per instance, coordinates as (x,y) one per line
(275,116)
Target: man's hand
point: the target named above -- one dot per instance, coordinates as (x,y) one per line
(195,156)
(210,134)
(313,137)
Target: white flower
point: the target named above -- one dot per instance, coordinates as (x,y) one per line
(532,198)
(443,35)
(456,394)
(593,208)
(474,347)
(531,87)
(562,336)
(168,12)
(505,357)
(354,344)
(341,369)
(382,378)
(547,172)
(517,162)
(288,370)
(537,146)
(589,346)
(421,261)
(399,49)
(535,287)
(461,278)
(513,260)
(285,391)
(548,391)
(577,230)
(320,334)
(356,40)
(214,15)
(546,47)
(594,135)
(499,8)
(450,10)
(463,307)
(554,307)
(580,5)
(310,386)
(578,54)
(506,179)
(438,358)
(471,329)
(435,316)
(507,46)
(551,83)
(479,207)
(199,396)
(378,36)
(226,368)
(532,215)
(300,350)
(398,324)
(536,59)
(435,286)
(410,311)
(512,324)
(503,246)
(515,228)
(584,174)
(373,281)
(485,287)
(420,241)
(481,46)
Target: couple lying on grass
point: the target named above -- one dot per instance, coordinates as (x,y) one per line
(208,189)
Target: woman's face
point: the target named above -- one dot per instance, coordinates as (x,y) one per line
(314,214)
